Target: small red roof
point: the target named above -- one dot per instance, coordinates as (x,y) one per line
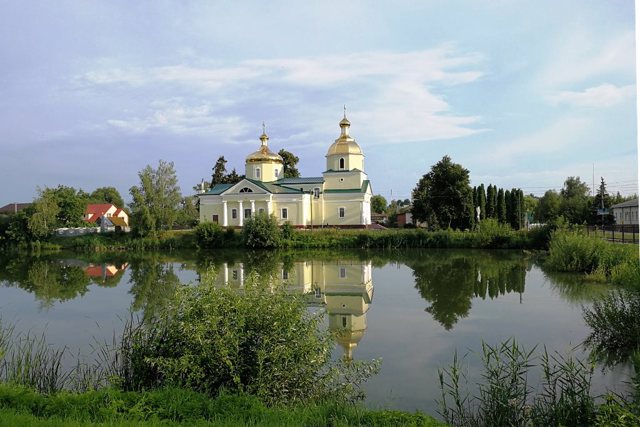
(117,212)
(98,208)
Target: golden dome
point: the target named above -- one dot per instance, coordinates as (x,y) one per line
(264,154)
(345,144)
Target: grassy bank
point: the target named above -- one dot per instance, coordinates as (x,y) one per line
(175,406)
(597,259)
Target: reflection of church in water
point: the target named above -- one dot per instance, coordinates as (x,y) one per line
(343,288)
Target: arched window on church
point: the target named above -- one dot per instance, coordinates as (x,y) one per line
(246,190)
(342,163)
(257,173)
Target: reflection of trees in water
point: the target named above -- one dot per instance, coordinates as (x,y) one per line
(152,283)
(574,288)
(449,280)
(49,280)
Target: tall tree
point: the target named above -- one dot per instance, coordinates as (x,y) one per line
(482,201)
(219,172)
(289,169)
(71,205)
(501,207)
(378,203)
(601,200)
(43,216)
(442,196)
(491,201)
(156,200)
(107,195)
(233,177)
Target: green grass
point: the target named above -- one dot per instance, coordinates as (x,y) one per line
(22,406)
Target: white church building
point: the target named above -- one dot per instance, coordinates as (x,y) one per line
(341,197)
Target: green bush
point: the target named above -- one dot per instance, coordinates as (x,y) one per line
(261,341)
(261,231)
(210,235)
(492,234)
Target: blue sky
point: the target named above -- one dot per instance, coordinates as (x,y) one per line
(521,93)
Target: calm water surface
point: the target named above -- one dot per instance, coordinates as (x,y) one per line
(412,309)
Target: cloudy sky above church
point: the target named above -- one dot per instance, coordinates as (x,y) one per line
(521,93)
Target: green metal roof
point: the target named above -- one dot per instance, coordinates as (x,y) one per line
(218,189)
(363,189)
(300,180)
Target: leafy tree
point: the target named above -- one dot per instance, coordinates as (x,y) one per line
(71,205)
(43,218)
(575,200)
(441,197)
(156,200)
(548,207)
(378,203)
(290,161)
(107,195)
(188,213)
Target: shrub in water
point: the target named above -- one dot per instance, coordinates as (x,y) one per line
(209,235)
(260,341)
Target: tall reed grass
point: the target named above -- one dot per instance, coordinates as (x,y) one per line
(504,396)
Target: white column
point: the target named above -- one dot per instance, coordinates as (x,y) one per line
(226,272)
(269,207)
(224,215)
(241,213)
(253,208)
(241,274)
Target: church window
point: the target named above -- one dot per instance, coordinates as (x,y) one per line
(261,210)
(318,292)
(284,213)
(342,163)
(257,173)
(341,212)
(234,274)
(341,179)
(277,172)
(316,193)
(344,321)
(234,213)
(343,272)
(247,213)
(285,275)
(246,190)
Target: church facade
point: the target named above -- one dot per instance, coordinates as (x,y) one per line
(341,197)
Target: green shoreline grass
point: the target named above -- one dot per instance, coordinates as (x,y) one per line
(22,406)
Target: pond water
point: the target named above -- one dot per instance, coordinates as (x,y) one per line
(412,309)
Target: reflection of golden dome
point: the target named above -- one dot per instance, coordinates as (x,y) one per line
(349,340)
(345,144)
(264,154)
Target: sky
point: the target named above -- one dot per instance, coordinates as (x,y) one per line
(521,93)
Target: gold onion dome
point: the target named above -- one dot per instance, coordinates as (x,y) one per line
(264,154)
(345,144)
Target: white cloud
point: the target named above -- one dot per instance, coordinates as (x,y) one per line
(605,95)
(176,118)
(582,56)
(394,93)
(563,133)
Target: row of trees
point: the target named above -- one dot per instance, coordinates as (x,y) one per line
(575,204)
(443,198)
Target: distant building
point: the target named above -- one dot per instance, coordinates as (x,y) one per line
(108,216)
(341,197)
(626,213)
(13,208)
